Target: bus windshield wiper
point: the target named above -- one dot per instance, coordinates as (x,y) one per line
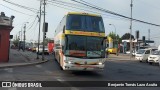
(94,52)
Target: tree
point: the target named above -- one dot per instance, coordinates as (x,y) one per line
(127,36)
(113,36)
(116,38)
(15,42)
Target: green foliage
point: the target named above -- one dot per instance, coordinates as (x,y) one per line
(15,42)
(127,36)
(114,37)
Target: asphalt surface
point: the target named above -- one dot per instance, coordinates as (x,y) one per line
(115,70)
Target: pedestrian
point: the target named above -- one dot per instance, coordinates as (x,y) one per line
(20,47)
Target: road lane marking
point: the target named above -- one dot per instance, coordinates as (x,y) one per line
(12,88)
(39,66)
(48,72)
(74,88)
(9,70)
(62,81)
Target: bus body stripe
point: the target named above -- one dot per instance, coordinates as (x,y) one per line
(76,32)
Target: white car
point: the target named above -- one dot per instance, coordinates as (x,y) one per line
(159,61)
(142,54)
(41,49)
(134,52)
(154,57)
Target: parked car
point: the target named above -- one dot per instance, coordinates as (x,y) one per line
(34,49)
(142,54)
(159,61)
(154,57)
(41,49)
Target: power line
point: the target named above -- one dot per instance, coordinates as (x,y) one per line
(110,12)
(32,24)
(33,30)
(24,7)
(15,10)
(65,4)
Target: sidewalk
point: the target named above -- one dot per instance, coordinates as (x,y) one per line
(120,57)
(20,58)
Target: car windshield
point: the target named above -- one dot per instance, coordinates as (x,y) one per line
(85,23)
(83,46)
(153,50)
(140,51)
(156,53)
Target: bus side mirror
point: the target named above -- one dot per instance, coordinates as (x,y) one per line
(105,38)
(64,29)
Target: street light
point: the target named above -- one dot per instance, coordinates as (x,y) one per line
(115,38)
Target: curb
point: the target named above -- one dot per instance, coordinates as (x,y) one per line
(122,59)
(22,64)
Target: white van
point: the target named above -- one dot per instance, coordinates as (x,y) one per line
(154,57)
(159,61)
(142,54)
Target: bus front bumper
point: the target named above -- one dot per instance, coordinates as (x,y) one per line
(83,67)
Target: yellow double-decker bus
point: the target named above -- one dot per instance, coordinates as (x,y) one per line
(80,42)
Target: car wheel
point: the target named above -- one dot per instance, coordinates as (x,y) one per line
(150,63)
(140,60)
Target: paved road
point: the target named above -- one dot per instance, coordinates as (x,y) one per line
(115,70)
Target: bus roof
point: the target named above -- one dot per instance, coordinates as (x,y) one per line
(83,13)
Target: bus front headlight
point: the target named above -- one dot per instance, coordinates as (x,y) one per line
(69,62)
(100,63)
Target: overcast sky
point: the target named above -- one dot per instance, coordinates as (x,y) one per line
(145,10)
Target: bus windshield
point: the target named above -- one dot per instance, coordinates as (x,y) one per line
(85,23)
(83,46)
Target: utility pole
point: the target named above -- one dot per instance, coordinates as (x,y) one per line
(148,34)
(21,34)
(43,30)
(39,30)
(19,40)
(131,5)
(24,37)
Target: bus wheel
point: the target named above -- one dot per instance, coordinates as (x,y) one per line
(150,63)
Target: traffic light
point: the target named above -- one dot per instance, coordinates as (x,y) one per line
(137,34)
(143,38)
(45,35)
(45,27)
(11,36)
